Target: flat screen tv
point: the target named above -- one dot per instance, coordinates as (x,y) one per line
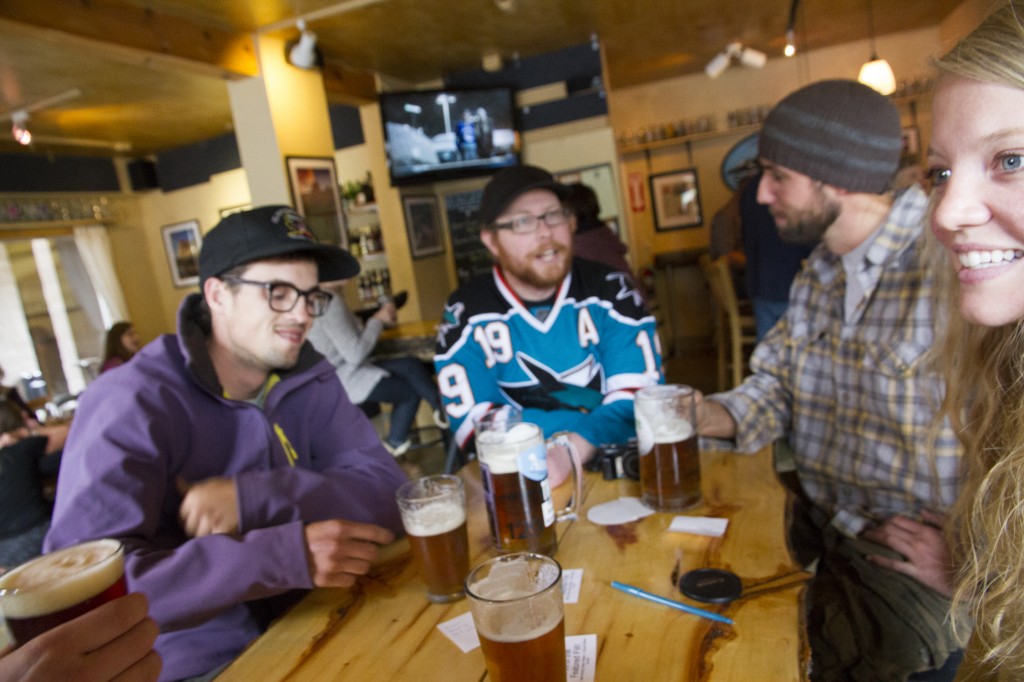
(436,135)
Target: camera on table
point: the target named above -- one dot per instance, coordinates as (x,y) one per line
(617,460)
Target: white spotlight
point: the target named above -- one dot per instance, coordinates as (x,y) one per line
(19,131)
(718,64)
(303,53)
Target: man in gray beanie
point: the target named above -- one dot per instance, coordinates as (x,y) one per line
(842,377)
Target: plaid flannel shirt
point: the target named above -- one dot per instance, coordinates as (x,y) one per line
(855,396)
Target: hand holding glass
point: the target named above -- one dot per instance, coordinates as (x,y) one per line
(56,587)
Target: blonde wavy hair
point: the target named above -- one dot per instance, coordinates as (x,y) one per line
(984,372)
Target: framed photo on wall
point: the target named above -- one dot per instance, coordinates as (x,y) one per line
(181,242)
(423,225)
(675,197)
(314,183)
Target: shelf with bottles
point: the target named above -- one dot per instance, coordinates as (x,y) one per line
(373,288)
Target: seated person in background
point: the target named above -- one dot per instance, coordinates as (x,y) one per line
(121,344)
(54,433)
(566,340)
(844,376)
(227,458)
(24,511)
(114,641)
(771,261)
(401,381)
(593,239)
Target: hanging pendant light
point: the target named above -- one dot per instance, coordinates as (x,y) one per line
(876,73)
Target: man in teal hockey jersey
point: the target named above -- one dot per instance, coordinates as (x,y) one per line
(566,340)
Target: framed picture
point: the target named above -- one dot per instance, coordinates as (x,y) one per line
(315,195)
(225,212)
(911,144)
(676,200)
(423,225)
(182,241)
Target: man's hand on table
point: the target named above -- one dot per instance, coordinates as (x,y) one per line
(713,420)
(208,507)
(341,551)
(559,464)
(927,556)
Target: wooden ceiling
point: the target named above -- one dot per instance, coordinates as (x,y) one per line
(151,72)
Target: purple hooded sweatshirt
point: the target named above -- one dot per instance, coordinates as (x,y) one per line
(307,455)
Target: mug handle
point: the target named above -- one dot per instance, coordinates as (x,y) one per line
(571,511)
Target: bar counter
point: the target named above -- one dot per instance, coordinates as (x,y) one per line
(385,629)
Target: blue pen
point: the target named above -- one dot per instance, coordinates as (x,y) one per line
(637,592)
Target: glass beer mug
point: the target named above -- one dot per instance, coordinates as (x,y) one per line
(513,463)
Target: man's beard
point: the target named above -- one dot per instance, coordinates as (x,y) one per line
(540,277)
(809,225)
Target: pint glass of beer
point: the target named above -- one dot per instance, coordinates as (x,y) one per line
(516,601)
(434,515)
(57,587)
(669,453)
(513,463)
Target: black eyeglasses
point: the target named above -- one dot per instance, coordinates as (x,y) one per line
(525,224)
(283,296)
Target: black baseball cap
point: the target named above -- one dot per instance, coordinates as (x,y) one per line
(268,232)
(510,183)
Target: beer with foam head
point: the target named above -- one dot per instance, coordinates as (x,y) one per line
(515,476)
(434,516)
(516,600)
(57,587)
(668,447)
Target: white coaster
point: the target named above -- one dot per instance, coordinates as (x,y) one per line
(622,510)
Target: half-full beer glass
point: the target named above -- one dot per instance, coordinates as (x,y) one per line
(666,430)
(516,601)
(434,515)
(57,587)
(513,463)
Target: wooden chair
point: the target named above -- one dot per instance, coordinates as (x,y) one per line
(735,332)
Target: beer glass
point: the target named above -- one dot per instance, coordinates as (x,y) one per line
(434,515)
(513,463)
(516,601)
(57,587)
(669,453)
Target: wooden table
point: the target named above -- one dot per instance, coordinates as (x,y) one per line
(385,629)
(409,338)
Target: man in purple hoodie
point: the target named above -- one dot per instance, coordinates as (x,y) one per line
(228,458)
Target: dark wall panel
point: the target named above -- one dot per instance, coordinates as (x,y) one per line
(346,127)
(195,163)
(44,173)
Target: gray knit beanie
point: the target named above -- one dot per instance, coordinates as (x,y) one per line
(840,132)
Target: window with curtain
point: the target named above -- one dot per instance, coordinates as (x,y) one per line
(52,317)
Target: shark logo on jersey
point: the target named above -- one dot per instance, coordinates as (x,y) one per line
(577,389)
(626,288)
(450,319)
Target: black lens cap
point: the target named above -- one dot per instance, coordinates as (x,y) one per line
(712,585)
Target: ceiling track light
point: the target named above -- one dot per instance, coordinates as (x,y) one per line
(790,48)
(303,53)
(747,56)
(19,130)
(876,73)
